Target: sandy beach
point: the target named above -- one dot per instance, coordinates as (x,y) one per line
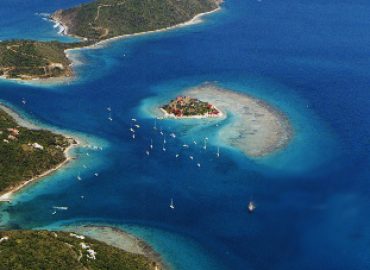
(120,239)
(7,196)
(257,128)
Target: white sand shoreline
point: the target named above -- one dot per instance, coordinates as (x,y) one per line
(7,196)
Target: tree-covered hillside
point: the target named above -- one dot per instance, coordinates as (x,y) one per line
(104,19)
(36,250)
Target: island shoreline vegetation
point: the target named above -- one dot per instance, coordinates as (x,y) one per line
(40,151)
(40,249)
(29,60)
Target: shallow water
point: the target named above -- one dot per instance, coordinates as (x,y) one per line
(307,59)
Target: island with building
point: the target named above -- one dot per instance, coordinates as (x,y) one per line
(188,107)
(92,23)
(27,154)
(256,127)
(25,249)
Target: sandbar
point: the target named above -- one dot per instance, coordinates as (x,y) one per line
(256,127)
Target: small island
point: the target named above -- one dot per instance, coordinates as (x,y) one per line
(256,128)
(34,250)
(27,154)
(92,23)
(188,107)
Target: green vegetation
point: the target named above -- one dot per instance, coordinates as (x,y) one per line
(27,59)
(95,21)
(35,250)
(26,153)
(104,19)
(187,106)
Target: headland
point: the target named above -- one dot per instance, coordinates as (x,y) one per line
(28,153)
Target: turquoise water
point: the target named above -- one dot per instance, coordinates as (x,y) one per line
(307,59)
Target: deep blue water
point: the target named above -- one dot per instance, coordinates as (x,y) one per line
(307,58)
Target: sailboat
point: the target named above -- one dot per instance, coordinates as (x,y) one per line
(79,177)
(109,109)
(177,155)
(172,205)
(205,144)
(131,129)
(24,101)
(198,164)
(155,124)
(164,148)
(218,152)
(173,135)
(251,207)
(151,144)
(147,152)
(110,117)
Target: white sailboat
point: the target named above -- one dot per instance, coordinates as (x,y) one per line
(205,144)
(151,144)
(198,164)
(147,152)
(191,157)
(177,155)
(173,135)
(251,207)
(79,177)
(109,109)
(172,205)
(110,117)
(218,152)
(155,124)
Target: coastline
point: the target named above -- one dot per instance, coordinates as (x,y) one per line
(63,30)
(6,196)
(121,239)
(195,20)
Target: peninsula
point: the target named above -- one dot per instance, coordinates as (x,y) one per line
(104,19)
(34,250)
(187,107)
(92,23)
(26,154)
(27,59)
